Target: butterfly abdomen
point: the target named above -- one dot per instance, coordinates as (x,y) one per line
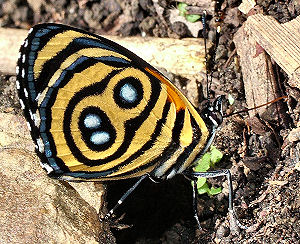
(98,112)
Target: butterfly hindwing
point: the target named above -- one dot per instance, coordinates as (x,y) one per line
(98,112)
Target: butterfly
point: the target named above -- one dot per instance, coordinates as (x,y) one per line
(98,112)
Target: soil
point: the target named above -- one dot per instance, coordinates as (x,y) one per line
(260,156)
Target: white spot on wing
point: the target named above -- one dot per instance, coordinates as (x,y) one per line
(99,137)
(34,117)
(40,145)
(28,125)
(25,93)
(22,104)
(38,96)
(92,121)
(172,173)
(37,119)
(26,43)
(31,29)
(128,93)
(31,115)
(17,70)
(23,73)
(17,84)
(23,58)
(160,170)
(46,167)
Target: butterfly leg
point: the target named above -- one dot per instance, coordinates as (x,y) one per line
(195,198)
(213,174)
(126,194)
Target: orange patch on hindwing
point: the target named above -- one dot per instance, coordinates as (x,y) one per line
(173,93)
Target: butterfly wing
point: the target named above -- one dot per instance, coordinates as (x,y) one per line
(96,111)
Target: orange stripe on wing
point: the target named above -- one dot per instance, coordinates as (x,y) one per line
(173,93)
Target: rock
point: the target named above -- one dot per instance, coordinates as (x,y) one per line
(33,207)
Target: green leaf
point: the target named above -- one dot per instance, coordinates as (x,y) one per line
(181,8)
(230,99)
(208,160)
(183,12)
(203,189)
(192,17)
(216,155)
(200,182)
(215,191)
(203,164)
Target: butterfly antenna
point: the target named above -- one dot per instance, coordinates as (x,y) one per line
(248,109)
(204,32)
(218,20)
(219,16)
(218,33)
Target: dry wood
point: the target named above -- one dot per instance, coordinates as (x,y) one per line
(280,41)
(258,82)
(260,37)
(246,6)
(183,57)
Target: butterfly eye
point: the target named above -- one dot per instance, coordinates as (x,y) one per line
(128,92)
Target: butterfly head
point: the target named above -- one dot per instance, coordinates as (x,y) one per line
(213,113)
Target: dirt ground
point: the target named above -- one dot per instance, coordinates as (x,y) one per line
(262,158)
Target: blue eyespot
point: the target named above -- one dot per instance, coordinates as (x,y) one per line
(128,93)
(92,121)
(96,128)
(100,137)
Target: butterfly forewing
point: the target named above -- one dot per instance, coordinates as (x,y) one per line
(98,112)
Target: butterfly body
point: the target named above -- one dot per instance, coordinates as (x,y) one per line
(96,111)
